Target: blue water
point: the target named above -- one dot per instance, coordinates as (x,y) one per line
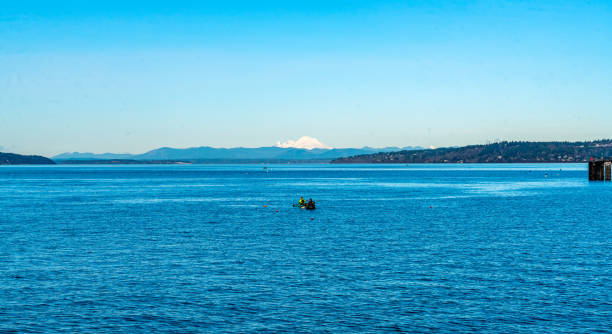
(199,248)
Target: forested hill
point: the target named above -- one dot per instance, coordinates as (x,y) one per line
(17,159)
(502,152)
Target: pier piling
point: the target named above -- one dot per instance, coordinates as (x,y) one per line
(600,170)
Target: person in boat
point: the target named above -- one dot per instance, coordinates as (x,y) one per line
(310,205)
(302,201)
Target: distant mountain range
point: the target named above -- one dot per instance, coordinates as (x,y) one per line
(206,153)
(502,152)
(18,159)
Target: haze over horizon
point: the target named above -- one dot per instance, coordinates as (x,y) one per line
(116,77)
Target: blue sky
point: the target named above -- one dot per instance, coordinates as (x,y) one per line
(109,76)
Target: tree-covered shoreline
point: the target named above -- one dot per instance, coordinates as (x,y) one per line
(18,159)
(500,152)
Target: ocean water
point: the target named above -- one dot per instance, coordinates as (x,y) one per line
(219,248)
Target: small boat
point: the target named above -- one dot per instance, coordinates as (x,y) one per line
(305,206)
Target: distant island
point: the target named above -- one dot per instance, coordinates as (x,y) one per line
(185,161)
(119,162)
(501,152)
(17,159)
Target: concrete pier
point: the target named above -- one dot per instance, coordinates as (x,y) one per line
(600,170)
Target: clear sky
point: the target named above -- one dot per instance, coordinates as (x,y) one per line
(128,76)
